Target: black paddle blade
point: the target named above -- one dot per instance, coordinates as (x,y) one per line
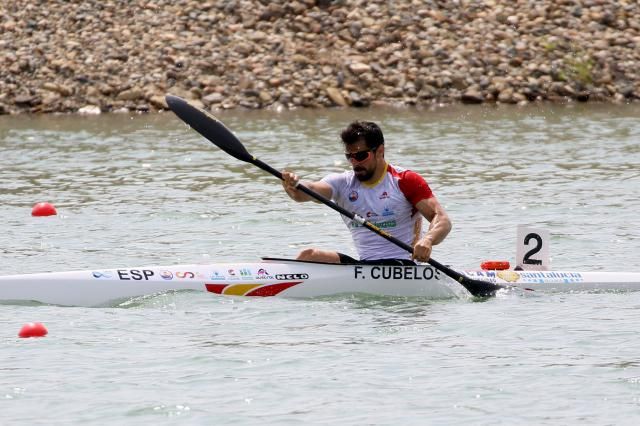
(477,288)
(480,288)
(209,127)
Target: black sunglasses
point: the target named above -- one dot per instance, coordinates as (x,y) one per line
(359,156)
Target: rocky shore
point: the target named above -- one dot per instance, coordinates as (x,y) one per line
(125,55)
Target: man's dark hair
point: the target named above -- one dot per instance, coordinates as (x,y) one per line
(366,130)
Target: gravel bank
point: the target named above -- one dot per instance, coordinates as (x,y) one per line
(117,55)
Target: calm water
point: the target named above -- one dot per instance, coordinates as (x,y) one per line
(142,190)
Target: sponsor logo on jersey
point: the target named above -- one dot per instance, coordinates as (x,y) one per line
(387,211)
(382,225)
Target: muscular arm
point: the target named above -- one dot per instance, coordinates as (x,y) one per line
(291,180)
(439,222)
(439,227)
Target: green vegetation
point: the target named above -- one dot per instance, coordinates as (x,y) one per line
(579,69)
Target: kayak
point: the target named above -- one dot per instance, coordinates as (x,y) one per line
(274,277)
(271,277)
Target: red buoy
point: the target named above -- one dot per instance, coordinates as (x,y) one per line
(43,209)
(495,265)
(33,329)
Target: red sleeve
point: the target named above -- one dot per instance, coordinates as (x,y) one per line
(414,187)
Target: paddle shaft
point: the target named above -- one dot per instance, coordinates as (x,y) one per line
(362,221)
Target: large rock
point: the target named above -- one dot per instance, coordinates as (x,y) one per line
(130,95)
(58,88)
(359,68)
(336,96)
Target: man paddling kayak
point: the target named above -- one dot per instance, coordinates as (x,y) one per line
(221,137)
(392,198)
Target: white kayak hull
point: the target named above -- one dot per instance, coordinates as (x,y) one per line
(284,278)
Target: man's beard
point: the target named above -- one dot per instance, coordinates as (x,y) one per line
(362,174)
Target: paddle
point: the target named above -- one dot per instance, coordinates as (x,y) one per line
(212,129)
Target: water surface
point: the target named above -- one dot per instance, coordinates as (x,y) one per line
(144,189)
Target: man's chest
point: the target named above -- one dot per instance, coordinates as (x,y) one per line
(380,202)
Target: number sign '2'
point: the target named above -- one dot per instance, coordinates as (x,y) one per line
(532,251)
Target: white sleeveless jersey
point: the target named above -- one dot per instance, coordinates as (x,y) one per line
(389,204)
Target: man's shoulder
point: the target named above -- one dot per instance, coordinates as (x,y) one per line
(339,177)
(401,172)
(412,185)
